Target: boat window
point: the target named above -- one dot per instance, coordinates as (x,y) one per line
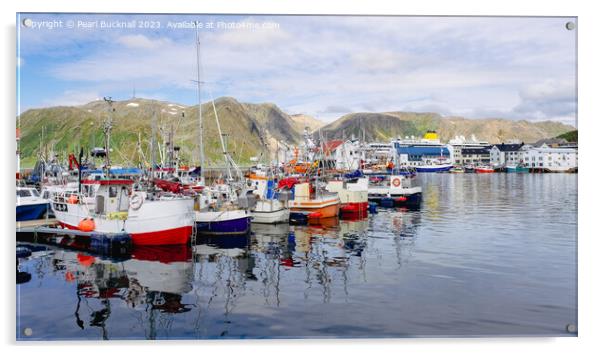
(112,192)
(23,193)
(35,193)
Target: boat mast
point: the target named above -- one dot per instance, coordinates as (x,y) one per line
(107,131)
(198,85)
(152,142)
(221,138)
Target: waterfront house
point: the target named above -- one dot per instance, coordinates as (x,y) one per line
(506,154)
(470,151)
(346,154)
(550,159)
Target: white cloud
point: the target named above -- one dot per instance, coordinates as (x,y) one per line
(139,41)
(457,66)
(549,98)
(73,98)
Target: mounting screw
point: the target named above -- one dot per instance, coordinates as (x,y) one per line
(28,332)
(571,328)
(570,25)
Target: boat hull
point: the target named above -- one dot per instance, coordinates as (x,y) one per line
(484,170)
(270,217)
(442,168)
(32,211)
(402,200)
(156,223)
(354,208)
(318,212)
(517,170)
(234,222)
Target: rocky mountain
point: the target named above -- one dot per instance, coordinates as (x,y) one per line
(248,129)
(303,120)
(389,125)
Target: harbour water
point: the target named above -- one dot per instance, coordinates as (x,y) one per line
(486,255)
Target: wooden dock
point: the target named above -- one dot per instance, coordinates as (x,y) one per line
(48,226)
(31,224)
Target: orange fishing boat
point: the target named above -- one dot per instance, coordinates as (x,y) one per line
(314,205)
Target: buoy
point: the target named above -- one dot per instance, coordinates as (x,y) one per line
(69,276)
(86,225)
(72,199)
(85,259)
(396,182)
(315,215)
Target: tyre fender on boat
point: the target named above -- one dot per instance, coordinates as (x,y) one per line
(136,201)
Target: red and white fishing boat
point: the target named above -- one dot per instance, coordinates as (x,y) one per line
(314,205)
(484,169)
(353,195)
(149,218)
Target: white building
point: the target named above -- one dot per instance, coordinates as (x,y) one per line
(346,154)
(506,154)
(550,159)
(477,151)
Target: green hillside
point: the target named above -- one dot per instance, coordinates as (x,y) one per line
(248,128)
(569,136)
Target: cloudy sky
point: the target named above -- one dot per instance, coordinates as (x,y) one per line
(324,66)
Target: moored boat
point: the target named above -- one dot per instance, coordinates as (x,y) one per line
(395,190)
(516,169)
(150,218)
(314,205)
(484,169)
(267,209)
(30,205)
(353,195)
(434,168)
(457,169)
(223,221)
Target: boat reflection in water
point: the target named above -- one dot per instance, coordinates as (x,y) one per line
(160,285)
(395,273)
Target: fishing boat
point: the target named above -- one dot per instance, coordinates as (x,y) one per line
(395,190)
(443,167)
(516,169)
(484,169)
(216,212)
(353,195)
(314,204)
(216,209)
(457,169)
(30,205)
(470,168)
(148,217)
(266,209)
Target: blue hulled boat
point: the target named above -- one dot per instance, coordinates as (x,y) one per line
(30,205)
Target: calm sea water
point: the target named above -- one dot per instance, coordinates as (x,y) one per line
(485,255)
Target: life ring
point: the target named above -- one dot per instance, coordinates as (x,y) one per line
(136,201)
(396,182)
